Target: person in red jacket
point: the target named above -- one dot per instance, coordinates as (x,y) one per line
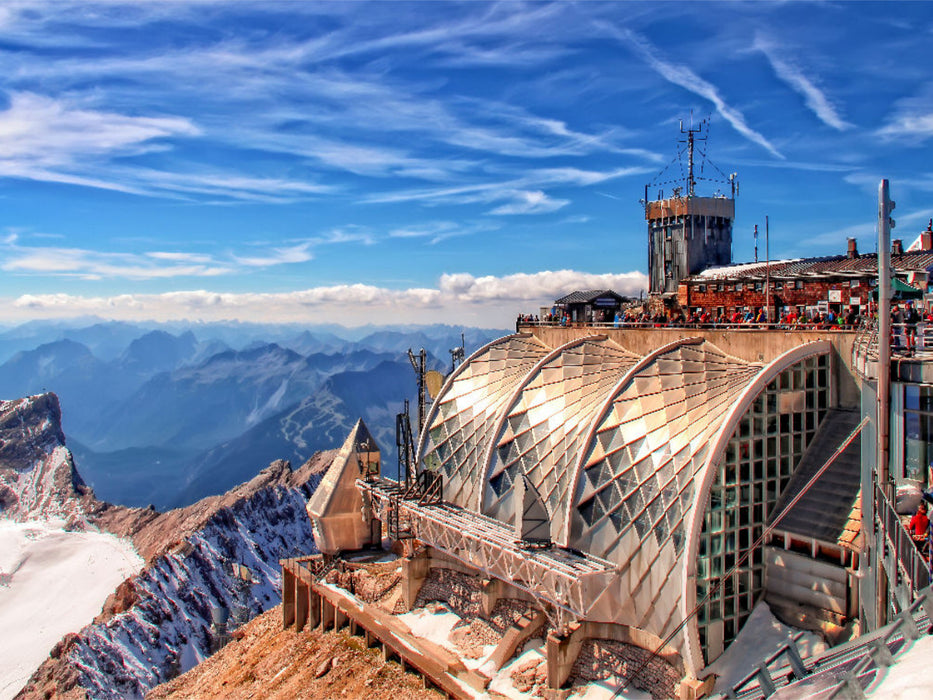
(920,524)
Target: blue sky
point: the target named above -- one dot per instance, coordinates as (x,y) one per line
(420,162)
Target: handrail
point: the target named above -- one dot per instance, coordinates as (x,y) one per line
(872,651)
(744,325)
(913,568)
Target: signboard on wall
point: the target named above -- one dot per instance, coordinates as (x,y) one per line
(822,307)
(835,296)
(855,301)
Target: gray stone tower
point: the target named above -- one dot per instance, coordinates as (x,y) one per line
(687,233)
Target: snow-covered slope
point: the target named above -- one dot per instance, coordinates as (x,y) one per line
(52,582)
(158,624)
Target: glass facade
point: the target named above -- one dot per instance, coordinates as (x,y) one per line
(547,423)
(464,417)
(758,462)
(918,431)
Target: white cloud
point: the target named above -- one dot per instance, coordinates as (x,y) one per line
(486,300)
(912,119)
(51,261)
(52,132)
(544,286)
(800,83)
(278,256)
(63,141)
(488,192)
(180,257)
(536,202)
(88,264)
(688,80)
(438,231)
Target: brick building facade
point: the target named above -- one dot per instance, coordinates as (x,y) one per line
(807,285)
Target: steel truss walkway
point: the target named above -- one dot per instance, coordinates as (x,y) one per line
(570,583)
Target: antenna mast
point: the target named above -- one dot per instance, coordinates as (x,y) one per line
(690,132)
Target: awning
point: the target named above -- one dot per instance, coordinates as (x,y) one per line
(901,290)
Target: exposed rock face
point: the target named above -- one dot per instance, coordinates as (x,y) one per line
(158,623)
(275,664)
(37,475)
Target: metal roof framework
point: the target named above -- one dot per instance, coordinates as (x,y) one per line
(571,583)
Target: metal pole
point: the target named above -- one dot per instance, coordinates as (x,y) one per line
(884,334)
(884,383)
(767,271)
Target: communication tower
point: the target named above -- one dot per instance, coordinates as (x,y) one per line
(688,233)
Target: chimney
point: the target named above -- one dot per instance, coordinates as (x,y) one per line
(897,247)
(926,237)
(852,252)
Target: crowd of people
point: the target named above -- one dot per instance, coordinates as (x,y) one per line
(907,318)
(702,318)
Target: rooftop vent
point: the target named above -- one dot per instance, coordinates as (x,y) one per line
(897,247)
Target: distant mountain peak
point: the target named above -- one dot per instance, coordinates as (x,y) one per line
(38,478)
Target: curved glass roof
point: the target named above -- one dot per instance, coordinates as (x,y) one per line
(463,417)
(543,428)
(637,480)
(621,450)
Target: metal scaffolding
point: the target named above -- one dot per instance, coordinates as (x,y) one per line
(569,584)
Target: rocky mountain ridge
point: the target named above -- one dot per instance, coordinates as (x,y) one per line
(158,623)
(38,479)
(221,552)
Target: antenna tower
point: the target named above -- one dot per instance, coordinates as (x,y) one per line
(692,135)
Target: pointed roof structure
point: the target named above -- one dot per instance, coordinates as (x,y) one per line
(336,507)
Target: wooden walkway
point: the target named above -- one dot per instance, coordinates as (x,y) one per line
(307,602)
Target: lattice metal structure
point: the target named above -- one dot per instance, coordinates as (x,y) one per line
(636,482)
(463,417)
(568,583)
(542,430)
(627,453)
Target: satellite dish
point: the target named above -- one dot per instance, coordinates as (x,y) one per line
(433,380)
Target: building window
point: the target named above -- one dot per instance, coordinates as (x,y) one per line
(757,465)
(798,284)
(855,283)
(701,288)
(720,287)
(918,431)
(738,287)
(779,285)
(759,286)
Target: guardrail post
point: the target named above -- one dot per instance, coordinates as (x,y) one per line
(765,681)
(850,689)
(902,594)
(796,663)
(926,598)
(911,631)
(880,653)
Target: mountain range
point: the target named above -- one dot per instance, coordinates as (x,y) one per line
(167,415)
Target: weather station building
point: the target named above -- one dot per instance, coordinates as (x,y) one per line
(687,233)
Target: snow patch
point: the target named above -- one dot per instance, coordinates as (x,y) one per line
(762,634)
(52,582)
(435,627)
(907,679)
